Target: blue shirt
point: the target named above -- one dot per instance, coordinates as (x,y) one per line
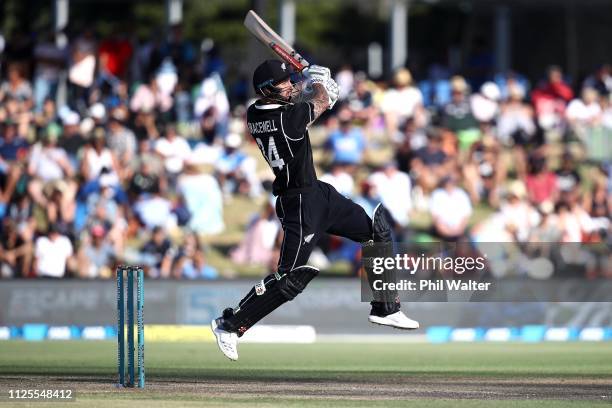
(347,147)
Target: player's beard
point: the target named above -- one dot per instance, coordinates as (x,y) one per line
(302,92)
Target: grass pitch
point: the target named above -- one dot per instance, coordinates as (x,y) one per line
(319,375)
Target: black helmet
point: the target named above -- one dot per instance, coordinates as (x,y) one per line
(268,74)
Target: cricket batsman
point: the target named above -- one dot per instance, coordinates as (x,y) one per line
(306,207)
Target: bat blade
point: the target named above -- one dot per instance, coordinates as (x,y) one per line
(268,37)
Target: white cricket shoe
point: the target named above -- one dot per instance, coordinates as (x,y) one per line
(398,320)
(227,341)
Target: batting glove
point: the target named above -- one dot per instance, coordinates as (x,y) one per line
(318,74)
(333,91)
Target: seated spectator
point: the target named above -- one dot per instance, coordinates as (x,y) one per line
(155,210)
(361,102)
(158,254)
(145,181)
(98,158)
(347,143)
(601,81)
(394,190)
(408,140)
(541,183)
(516,127)
(429,165)
(235,170)
(485,104)
(367,197)
(121,141)
(49,163)
(13,153)
(402,101)
(599,207)
(50,59)
(149,98)
(568,178)
(17,87)
(72,141)
(174,150)
(483,172)
(258,245)
(53,253)
(191,262)
(450,210)
(584,113)
(61,205)
(204,200)
(16,246)
(96,255)
(457,116)
(340,179)
(550,99)
(518,215)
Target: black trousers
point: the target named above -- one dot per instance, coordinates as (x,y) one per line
(306,215)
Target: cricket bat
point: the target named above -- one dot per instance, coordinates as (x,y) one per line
(268,37)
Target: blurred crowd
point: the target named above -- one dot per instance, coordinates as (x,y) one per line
(115,150)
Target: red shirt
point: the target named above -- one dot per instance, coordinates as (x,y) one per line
(541,187)
(116,56)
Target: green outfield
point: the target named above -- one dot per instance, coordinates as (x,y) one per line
(322,374)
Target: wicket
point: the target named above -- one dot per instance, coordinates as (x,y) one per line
(129,272)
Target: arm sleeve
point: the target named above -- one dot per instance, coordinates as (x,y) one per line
(297,119)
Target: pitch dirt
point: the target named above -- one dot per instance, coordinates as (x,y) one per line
(181,374)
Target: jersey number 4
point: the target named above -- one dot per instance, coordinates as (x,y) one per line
(274,160)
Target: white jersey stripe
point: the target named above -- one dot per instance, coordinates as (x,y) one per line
(297,254)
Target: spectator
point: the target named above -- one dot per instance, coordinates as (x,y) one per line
(516,127)
(121,141)
(49,163)
(568,178)
(518,215)
(483,172)
(541,183)
(155,210)
(174,150)
(17,87)
(450,210)
(50,60)
(235,170)
(259,243)
(347,144)
(81,70)
(361,102)
(584,112)
(114,55)
(345,79)
(429,165)
(402,101)
(158,254)
(98,159)
(408,140)
(204,200)
(340,179)
(457,115)
(149,98)
(600,81)
(96,255)
(394,189)
(485,104)
(191,262)
(550,99)
(72,141)
(53,253)
(16,247)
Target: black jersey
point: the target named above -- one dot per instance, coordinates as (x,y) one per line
(281,132)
